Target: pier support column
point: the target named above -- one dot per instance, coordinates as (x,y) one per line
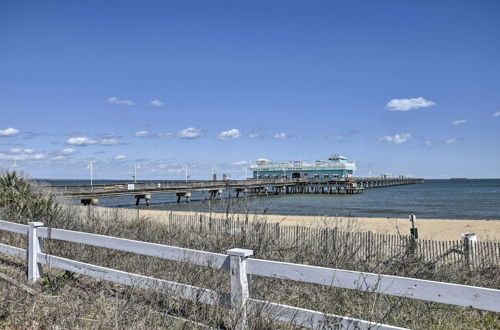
(89,201)
(146,197)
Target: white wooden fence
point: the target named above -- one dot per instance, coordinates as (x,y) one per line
(241,267)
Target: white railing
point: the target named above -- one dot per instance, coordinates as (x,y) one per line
(241,268)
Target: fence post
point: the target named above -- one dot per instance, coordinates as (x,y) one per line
(241,283)
(35,245)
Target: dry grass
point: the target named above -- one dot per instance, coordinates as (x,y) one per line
(65,300)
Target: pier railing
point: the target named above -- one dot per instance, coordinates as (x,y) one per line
(240,266)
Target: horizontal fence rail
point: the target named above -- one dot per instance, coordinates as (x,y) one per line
(241,267)
(201,258)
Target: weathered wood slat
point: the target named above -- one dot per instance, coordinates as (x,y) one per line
(311,319)
(454,294)
(202,258)
(14,227)
(178,290)
(13,251)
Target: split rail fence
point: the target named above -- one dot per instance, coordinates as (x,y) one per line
(241,267)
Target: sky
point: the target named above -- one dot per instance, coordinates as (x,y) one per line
(404,87)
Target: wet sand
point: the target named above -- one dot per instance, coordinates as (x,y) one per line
(437,229)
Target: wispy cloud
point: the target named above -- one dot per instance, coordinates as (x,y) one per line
(68,151)
(116,100)
(9,132)
(166,135)
(395,139)
(280,136)
(496,114)
(190,133)
(230,134)
(255,136)
(81,141)
(109,142)
(21,151)
(156,103)
(240,163)
(449,141)
(142,134)
(120,157)
(22,156)
(408,104)
(459,122)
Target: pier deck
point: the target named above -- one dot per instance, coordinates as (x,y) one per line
(143,190)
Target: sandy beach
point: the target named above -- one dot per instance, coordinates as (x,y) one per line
(438,229)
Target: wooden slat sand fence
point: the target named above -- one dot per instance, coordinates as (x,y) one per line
(361,245)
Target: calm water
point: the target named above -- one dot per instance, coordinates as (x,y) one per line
(452,199)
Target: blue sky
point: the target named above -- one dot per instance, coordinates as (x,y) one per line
(405,87)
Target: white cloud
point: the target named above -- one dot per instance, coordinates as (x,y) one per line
(190,133)
(240,163)
(408,104)
(23,156)
(68,151)
(280,136)
(120,157)
(81,141)
(458,122)
(20,150)
(115,100)
(60,157)
(166,135)
(496,114)
(230,134)
(156,103)
(141,134)
(395,139)
(254,136)
(9,132)
(449,141)
(109,142)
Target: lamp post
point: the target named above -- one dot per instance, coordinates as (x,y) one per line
(186,172)
(214,172)
(90,166)
(136,166)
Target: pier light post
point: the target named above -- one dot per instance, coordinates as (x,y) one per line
(186,171)
(214,172)
(136,166)
(90,166)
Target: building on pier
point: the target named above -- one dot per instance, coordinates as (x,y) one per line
(335,168)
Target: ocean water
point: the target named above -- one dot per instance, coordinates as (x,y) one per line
(443,199)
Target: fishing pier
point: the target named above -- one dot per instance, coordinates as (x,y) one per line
(90,194)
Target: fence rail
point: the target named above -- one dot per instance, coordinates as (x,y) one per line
(240,266)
